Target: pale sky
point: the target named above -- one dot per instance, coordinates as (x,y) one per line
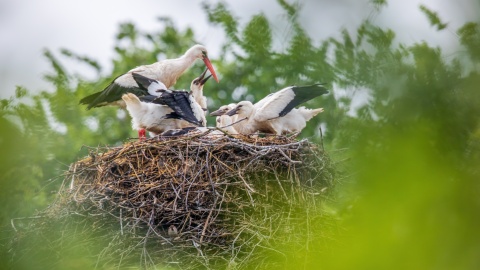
(88,27)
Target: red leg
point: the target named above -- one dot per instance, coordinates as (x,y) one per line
(142,134)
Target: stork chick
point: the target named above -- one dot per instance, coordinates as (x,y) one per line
(268,115)
(197,90)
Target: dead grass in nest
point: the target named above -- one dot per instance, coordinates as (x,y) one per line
(201,200)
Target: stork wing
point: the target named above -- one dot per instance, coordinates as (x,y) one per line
(150,85)
(262,101)
(152,99)
(179,101)
(282,102)
(142,81)
(112,93)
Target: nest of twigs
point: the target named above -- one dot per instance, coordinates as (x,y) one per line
(217,201)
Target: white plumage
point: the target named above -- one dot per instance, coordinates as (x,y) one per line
(223,121)
(247,111)
(197,90)
(166,111)
(169,70)
(294,121)
(165,72)
(276,113)
(147,115)
(222,112)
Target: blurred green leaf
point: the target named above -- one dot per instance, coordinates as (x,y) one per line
(433,18)
(470,38)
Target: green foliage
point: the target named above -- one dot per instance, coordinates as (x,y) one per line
(470,38)
(257,37)
(220,15)
(415,143)
(433,18)
(378,4)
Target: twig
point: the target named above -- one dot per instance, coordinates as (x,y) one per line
(321,137)
(243,119)
(288,158)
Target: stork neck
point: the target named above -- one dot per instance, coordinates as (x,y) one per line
(185,61)
(197,91)
(177,67)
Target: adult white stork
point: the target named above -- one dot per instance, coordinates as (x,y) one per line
(266,115)
(166,72)
(164,111)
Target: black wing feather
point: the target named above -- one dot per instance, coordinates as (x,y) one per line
(152,99)
(179,102)
(303,94)
(112,93)
(142,81)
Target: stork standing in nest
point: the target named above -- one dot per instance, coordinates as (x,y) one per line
(276,113)
(169,109)
(165,72)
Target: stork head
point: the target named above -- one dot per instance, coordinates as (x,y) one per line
(200,52)
(243,109)
(200,80)
(223,109)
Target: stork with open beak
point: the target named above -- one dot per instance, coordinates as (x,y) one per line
(197,89)
(165,72)
(271,114)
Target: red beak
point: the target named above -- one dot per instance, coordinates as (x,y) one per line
(210,67)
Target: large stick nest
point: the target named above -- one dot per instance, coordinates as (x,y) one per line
(218,199)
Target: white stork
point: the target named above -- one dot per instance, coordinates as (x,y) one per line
(197,90)
(164,111)
(246,110)
(166,72)
(269,115)
(223,121)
